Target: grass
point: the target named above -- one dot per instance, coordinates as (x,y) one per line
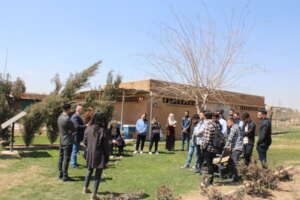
(34,176)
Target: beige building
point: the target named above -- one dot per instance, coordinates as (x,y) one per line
(139,94)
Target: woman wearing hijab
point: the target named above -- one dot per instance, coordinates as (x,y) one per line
(96,139)
(170,140)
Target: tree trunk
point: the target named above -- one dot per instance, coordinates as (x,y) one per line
(204,102)
(197,105)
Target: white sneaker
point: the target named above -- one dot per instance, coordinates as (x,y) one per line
(150,153)
(141,152)
(157,153)
(135,152)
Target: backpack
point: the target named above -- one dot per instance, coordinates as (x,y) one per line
(219,139)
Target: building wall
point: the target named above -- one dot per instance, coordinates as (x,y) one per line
(161,110)
(132,111)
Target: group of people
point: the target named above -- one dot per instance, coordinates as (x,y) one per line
(94,133)
(206,135)
(211,135)
(142,131)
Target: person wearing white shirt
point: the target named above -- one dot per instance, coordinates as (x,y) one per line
(223,123)
(198,132)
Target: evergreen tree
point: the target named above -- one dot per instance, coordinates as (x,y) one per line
(47,112)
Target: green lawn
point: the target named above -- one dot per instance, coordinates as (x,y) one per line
(34,176)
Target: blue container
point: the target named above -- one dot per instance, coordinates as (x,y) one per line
(129,131)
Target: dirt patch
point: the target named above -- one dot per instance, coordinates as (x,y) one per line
(10,180)
(2,166)
(287,191)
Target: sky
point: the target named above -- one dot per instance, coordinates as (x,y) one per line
(42,38)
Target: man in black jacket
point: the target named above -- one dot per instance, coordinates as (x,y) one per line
(77,135)
(66,128)
(264,137)
(249,129)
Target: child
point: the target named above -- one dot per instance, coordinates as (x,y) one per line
(155,135)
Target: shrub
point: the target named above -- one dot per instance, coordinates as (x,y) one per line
(53,110)
(258,180)
(33,121)
(165,193)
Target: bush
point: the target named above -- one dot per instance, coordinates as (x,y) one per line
(53,110)
(258,180)
(165,193)
(33,121)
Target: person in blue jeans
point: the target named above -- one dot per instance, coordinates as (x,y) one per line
(192,147)
(142,127)
(186,126)
(77,135)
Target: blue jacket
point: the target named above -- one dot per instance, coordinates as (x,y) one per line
(142,127)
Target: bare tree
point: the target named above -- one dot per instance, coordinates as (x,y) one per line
(202,58)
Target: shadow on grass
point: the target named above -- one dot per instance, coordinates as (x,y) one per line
(9,157)
(35,154)
(35,147)
(82,178)
(167,152)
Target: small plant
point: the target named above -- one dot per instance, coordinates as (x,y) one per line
(165,193)
(257,180)
(284,174)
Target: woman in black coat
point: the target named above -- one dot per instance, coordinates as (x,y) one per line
(96,139)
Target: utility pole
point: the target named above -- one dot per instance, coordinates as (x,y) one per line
(151,114)
(122,109)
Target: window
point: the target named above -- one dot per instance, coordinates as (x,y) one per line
(249,108)
(177,101)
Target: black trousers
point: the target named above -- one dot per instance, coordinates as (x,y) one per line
(200,156)
(247,150)
(120,149)
(154,140)
(64,159)
(88,177)
(208,158)
(234,163)
(262,154)
(140,139)
(170,142)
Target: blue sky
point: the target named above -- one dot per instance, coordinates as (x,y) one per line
(52,36)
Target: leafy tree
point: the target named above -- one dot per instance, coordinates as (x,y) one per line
(10,91)
(18,88)
(33,121)
(110,94)
(78,81)
(47,112)
(53,110)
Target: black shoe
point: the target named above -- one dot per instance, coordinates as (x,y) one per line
(60,176)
